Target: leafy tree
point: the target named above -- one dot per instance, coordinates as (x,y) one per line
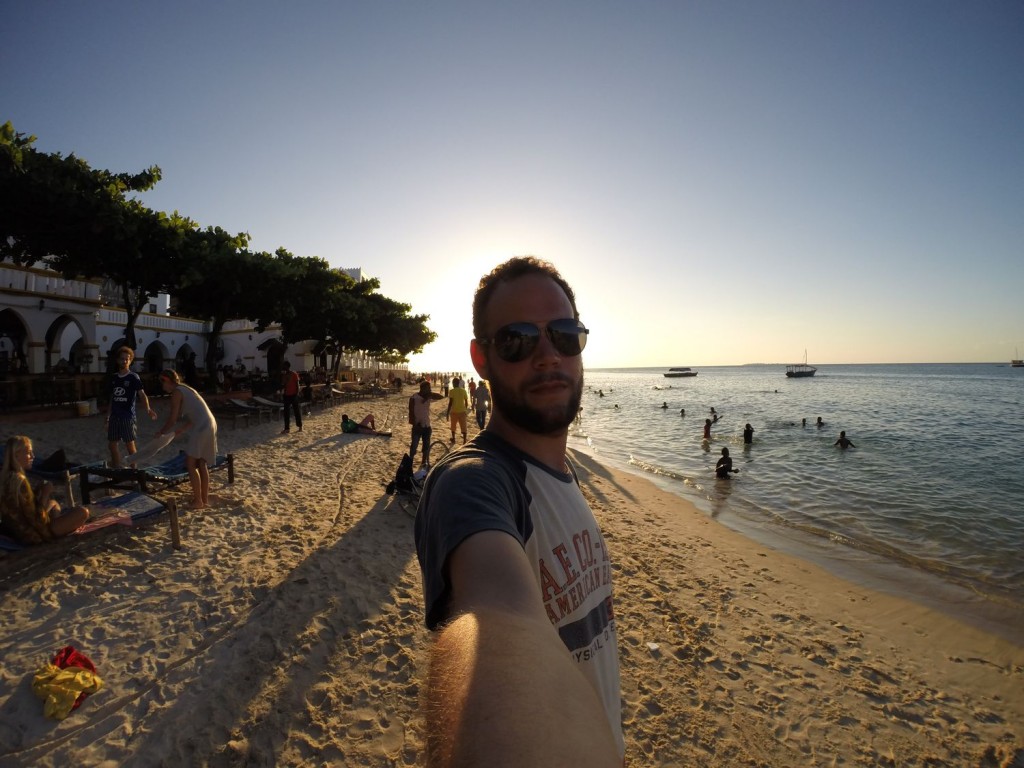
(389,330)
(221,280)
(81,222)
(309,295)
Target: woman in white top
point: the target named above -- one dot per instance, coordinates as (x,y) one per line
(201,450)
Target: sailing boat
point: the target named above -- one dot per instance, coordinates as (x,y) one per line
(1016,363)
(800,370)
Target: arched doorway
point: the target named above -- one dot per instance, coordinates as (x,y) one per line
(153,358)
(64,333)
(275,355)
(12,343)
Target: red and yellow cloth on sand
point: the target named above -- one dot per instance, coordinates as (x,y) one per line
(65,682)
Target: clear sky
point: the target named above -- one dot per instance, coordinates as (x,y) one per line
(721,182)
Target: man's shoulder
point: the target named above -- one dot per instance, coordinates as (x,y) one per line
(485,454)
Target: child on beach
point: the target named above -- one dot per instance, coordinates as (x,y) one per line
(126,388)
(29,514)
(724,465)
(201,450)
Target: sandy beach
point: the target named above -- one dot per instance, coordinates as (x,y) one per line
(288,629)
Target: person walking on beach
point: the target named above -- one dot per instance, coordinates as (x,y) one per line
(481,403)
(419,419)
(748,434)
(201,450)
(724,465)
(458,408)
(125,390)
(844,442)
(504,536)
(290,396)
(30,515)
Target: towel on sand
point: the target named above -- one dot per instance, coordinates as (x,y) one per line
(64,683)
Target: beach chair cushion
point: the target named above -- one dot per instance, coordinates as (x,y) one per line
(127,509)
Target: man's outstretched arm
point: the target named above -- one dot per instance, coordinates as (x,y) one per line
(503,689)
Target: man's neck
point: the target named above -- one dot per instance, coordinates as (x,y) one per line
(548,449)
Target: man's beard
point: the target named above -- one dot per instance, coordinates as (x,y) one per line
(553,419)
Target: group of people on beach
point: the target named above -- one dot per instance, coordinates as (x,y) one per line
(490,515)
(31,514)
(199,422)
(460,398)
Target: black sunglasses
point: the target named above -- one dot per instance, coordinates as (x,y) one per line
(516,341)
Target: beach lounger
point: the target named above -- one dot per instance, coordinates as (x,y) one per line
(128,509)
(275,408)
(148,479)
(259,411)
(229,414)
(47,468)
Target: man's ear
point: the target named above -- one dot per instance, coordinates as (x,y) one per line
(479,358)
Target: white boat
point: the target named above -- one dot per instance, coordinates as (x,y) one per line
(678,373)
(800,370)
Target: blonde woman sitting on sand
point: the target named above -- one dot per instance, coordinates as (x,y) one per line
(201,450)
(29,514)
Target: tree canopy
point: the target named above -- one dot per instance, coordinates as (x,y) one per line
(86,223)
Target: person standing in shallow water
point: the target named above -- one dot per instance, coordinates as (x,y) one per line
(511,664)
(724,465)
(844,442)
(748,434)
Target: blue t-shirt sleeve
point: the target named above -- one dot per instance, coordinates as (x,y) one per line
(468,496)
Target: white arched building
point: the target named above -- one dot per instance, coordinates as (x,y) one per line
(50,324)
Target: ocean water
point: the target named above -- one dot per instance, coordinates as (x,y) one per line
(933,488)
